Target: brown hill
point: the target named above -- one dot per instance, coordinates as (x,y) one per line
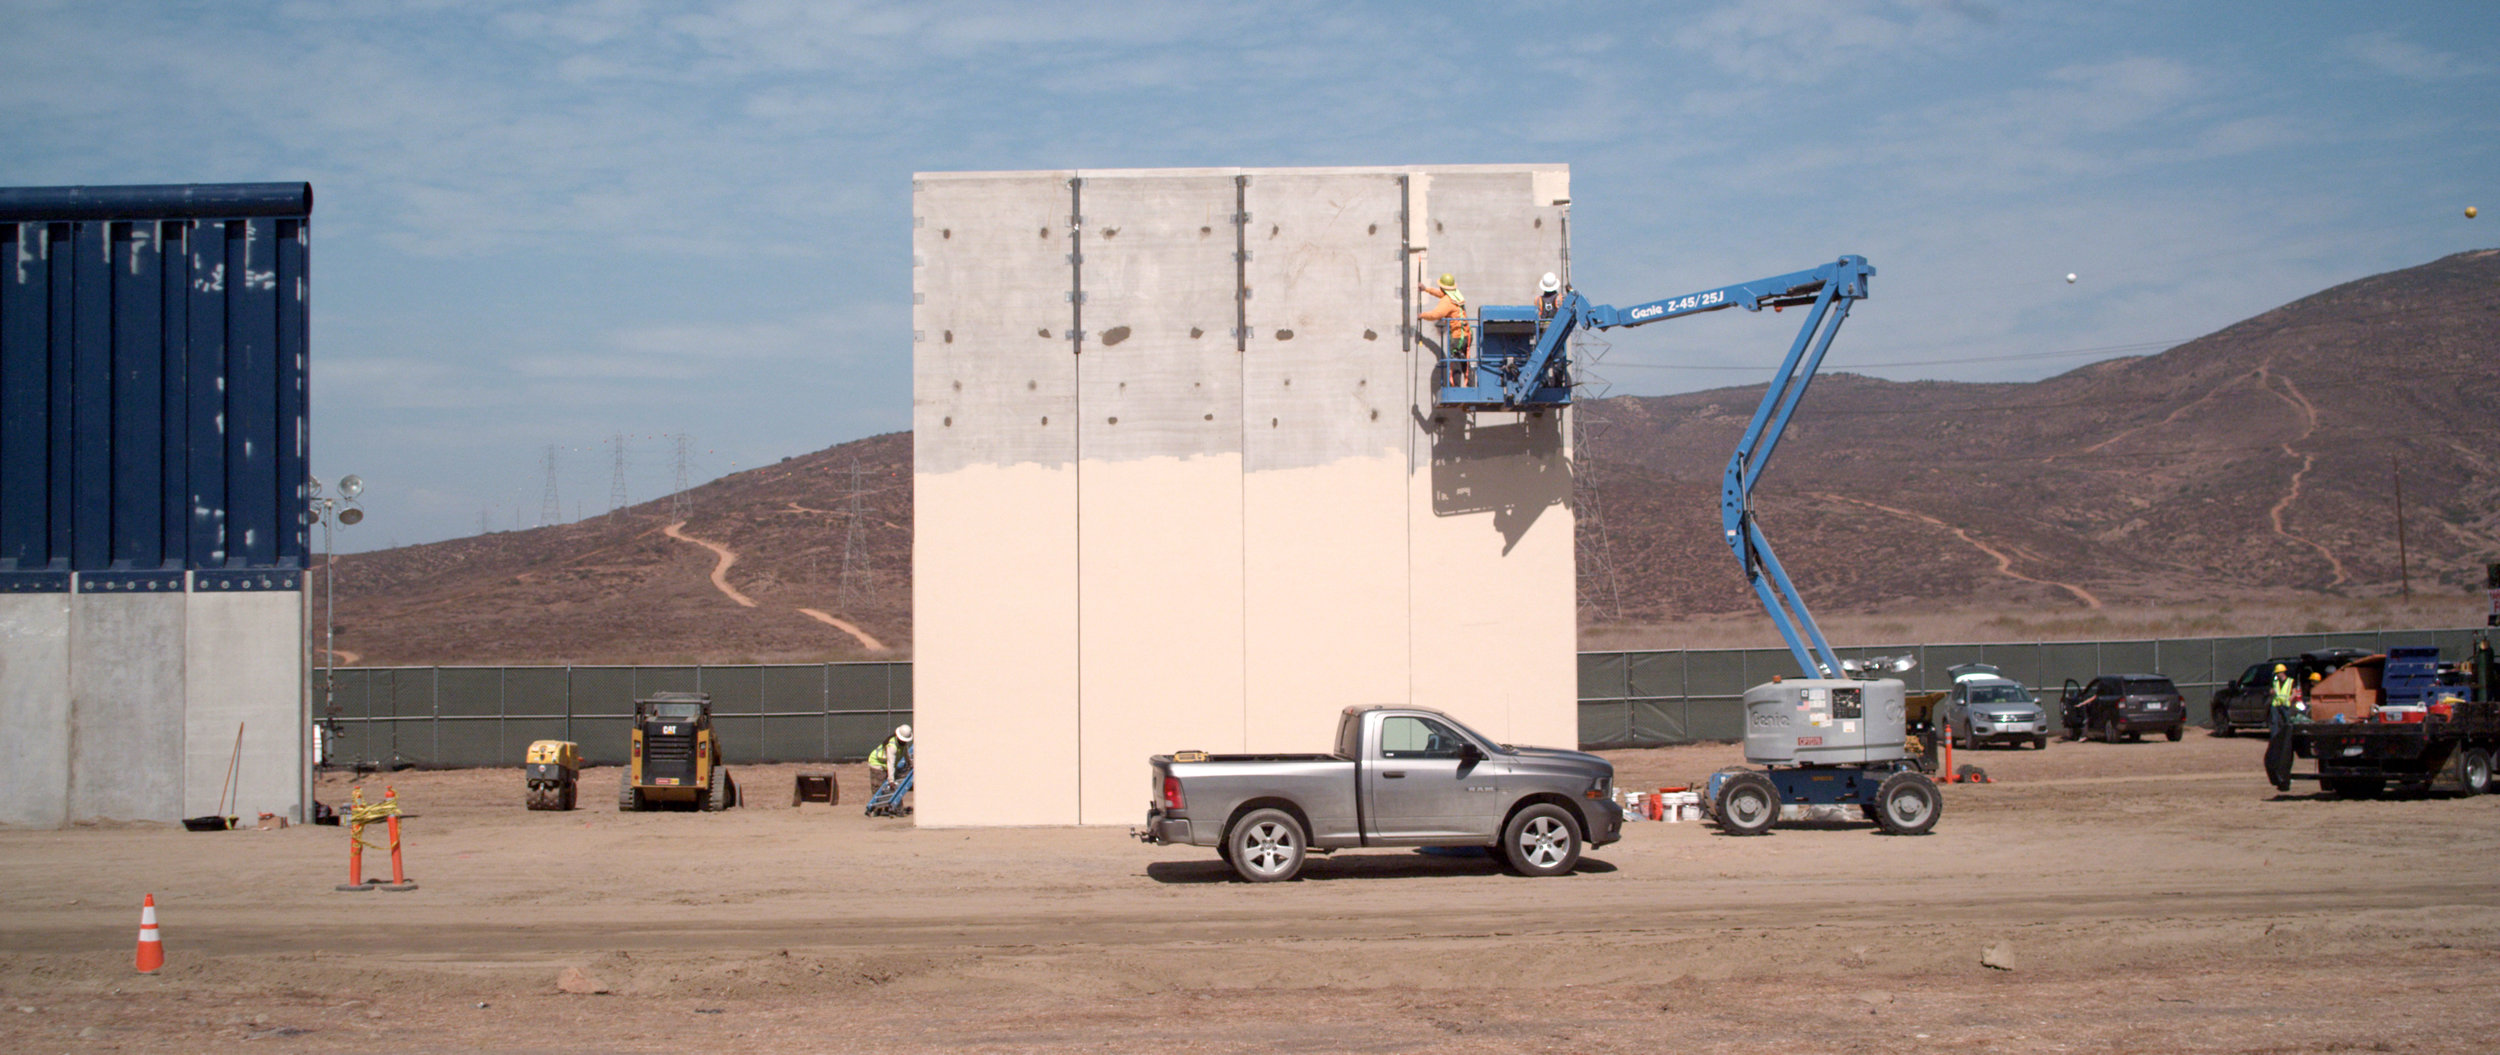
(622,588)
(2260,461)
(2260,458)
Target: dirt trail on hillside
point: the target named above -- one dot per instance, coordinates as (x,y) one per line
(2005,563)
(2290,393)
(720,578)
(2141,897)
(863,637)
(720,571)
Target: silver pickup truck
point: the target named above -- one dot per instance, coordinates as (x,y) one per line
(1401,776)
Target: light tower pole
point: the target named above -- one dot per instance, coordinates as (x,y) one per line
(341,511)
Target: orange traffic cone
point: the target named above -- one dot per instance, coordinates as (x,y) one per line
(151,948)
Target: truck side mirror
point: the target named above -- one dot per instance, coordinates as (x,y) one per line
(1469,752)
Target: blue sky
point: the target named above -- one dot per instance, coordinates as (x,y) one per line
(542,222)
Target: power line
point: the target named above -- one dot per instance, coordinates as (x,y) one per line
(681,501)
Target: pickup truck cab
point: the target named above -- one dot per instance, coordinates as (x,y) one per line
(1400,776)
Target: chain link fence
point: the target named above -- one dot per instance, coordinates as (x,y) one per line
(1648,699)
(487,716)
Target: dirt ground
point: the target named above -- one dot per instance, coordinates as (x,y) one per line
(2148,897)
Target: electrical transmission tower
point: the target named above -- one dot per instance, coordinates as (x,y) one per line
(681,502)
(853,591)
(550,508)
(616,480)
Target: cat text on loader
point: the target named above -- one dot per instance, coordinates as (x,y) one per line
(676,757)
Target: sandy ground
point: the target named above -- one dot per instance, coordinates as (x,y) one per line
(2149,897)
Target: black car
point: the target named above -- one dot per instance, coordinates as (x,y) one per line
(2242,703)
(2123,705)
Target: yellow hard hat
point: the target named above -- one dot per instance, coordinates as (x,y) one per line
(2278,668)
(2314,675)
(1449,281)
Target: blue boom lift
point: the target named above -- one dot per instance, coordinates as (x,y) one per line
(1836,737)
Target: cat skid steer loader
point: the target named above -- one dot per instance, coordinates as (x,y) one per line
(676,757)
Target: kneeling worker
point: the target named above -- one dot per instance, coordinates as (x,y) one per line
(891,759)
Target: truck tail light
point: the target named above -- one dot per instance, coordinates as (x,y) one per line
(1172,794)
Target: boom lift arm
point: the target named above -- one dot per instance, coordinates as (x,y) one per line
(1520,365)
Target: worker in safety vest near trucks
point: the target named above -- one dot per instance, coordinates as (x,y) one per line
(1450,304)
(2279,718)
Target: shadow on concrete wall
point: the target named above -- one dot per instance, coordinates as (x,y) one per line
(1513,469)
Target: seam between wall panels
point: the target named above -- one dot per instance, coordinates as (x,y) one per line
(1406,474)
(1241,420)
(1076,425)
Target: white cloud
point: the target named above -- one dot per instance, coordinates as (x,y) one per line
(1804,41)
(2383,51)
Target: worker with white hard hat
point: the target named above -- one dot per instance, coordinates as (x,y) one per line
(1548,296)
(891,759)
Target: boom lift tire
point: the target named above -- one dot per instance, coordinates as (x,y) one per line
(1541,840)
(628,800)
(1267,846)
(1907,803)
(1748,804)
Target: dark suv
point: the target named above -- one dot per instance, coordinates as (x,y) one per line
(2123,705)
(2242,703)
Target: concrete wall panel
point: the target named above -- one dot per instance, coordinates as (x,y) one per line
(1492,490)
(1158,482)
(34,708)
(994,566)
(243,665)
(126,707)
(1328,402)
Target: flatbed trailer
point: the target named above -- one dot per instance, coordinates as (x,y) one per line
(2365,759)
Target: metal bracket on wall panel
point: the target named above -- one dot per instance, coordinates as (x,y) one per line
(1241,264)
(230,581)
(1242,257)
(34,582)
(129,582)
(1076,296)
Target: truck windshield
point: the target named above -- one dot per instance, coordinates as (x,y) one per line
(2150,687)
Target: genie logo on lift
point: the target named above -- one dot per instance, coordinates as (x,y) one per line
(1650,312)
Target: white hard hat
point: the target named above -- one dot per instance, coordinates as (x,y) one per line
(903,733)
(1549,283)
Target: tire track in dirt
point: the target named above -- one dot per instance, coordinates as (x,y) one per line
(2290,393)
(720,571)
(720,578)
(2005,563)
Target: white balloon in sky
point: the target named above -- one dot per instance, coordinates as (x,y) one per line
(2070,278)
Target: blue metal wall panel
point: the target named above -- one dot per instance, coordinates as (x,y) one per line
(25,400)
(153,378)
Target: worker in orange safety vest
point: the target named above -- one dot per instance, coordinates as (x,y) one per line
(1450,304)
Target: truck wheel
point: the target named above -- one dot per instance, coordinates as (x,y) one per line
(2474,770)
(1267,846)
(1541,841)
(2040,742)
(2173,733)
(2222,722)
(1748,803)
(627,799)
(2110,733)
(1907,804)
